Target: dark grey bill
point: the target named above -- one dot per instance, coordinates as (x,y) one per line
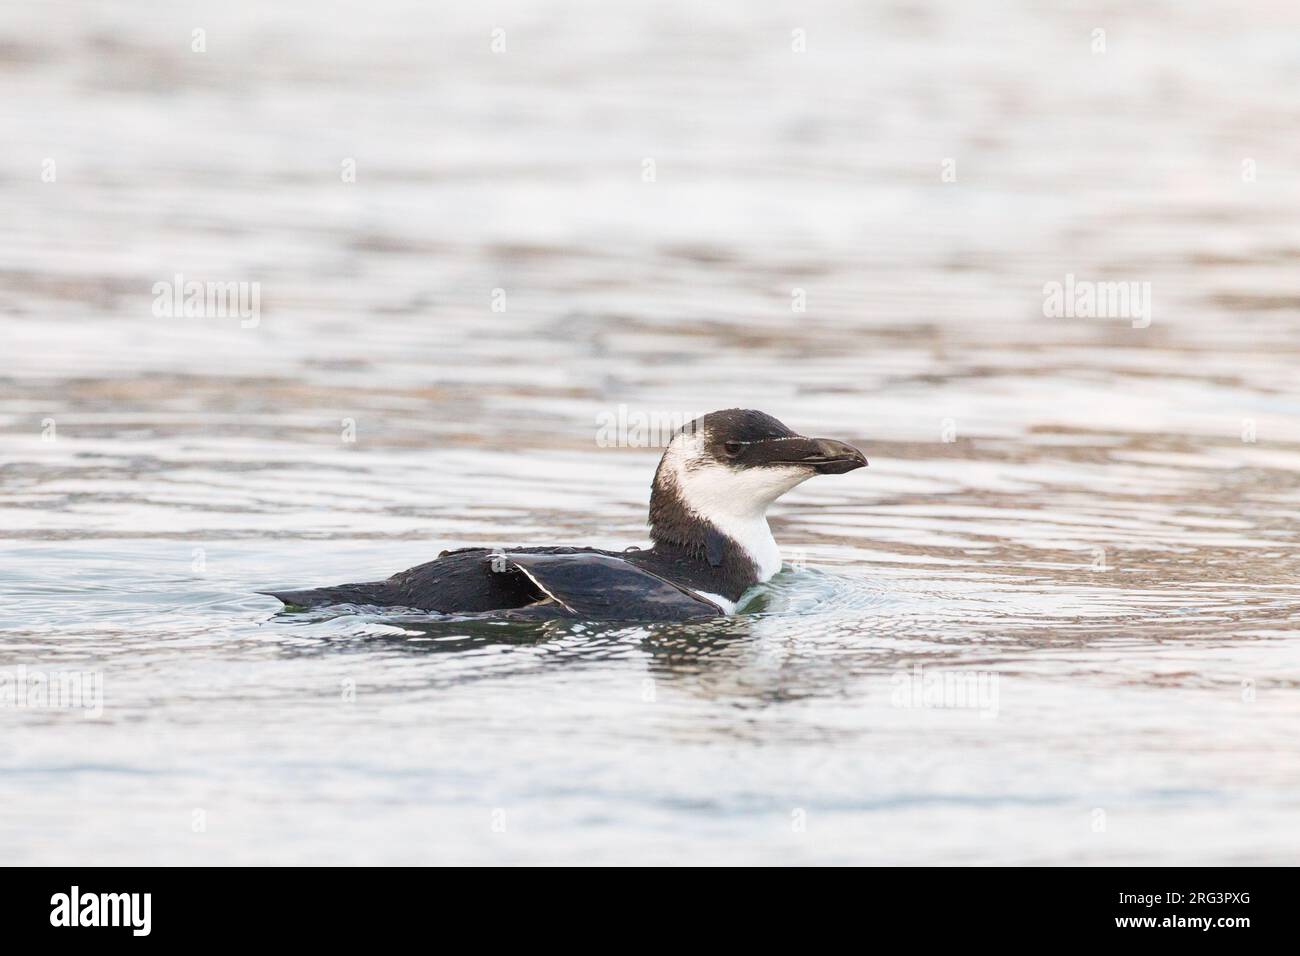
(826,456)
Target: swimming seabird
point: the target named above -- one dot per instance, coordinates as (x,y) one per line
(708,525)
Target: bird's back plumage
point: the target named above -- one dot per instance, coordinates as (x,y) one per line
(581,583)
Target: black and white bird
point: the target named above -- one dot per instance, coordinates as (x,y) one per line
(708,525)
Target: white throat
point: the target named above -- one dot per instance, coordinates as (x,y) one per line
(733,501)
(755,538)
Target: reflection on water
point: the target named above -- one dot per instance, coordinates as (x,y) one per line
(1100,516)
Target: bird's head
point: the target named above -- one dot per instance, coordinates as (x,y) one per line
(727,467)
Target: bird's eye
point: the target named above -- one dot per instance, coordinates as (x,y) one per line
(732,448)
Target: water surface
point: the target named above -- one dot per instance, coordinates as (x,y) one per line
(1095,523)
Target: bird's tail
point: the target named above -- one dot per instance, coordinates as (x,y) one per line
(375,592)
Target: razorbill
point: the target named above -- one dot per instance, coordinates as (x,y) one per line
(708,524)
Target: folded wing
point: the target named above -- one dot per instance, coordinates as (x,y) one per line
(574,582)
(604,587)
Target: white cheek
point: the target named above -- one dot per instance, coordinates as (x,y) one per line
(764,485)
(714,490)
(736,502)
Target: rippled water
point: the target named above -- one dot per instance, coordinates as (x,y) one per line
(1092,523)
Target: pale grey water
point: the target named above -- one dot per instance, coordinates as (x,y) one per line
(1112,533)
